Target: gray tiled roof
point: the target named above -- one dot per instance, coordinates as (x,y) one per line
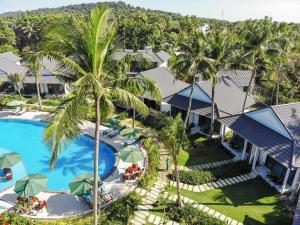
(289,115)
(240,77)
(163,55)
(43,80)
(165,80)
(10,56)
(228,97)
(8,67)
(200,107)
(276,145)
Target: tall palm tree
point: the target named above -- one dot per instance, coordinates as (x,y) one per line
(85,50)
(16,79)
(190,62)
(221,47)
(254,44)
(35,68)
(175,139)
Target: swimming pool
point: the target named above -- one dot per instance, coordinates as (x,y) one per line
(26,138)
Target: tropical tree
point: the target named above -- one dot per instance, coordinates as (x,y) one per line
(190,62)
(16,79)
(221,46)
(254,42)
(175,140)
(7,37)
(34,61)
(85,50)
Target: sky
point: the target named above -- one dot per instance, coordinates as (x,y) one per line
(233,10)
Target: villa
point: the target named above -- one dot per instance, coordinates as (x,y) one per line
(269,139)
(49,83)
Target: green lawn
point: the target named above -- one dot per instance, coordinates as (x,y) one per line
(252,203)
(209,152)
(159,210)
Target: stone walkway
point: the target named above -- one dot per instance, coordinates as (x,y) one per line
(203,208)
(218,184)
(142,216)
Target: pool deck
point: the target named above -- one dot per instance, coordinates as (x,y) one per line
(62,205)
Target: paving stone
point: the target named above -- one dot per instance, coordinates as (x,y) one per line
(228,220)
(152,195)
(228,181)
(202,188)
(181,185)
(205,209)
(196,189)
(157,220)
(142,207)
(175,223)
(206,187)
(248,176)
(174,198)
(144,213)
(232,180)
(169,223)
(140,220)
(134,222)
(222,217)
(190,187)
(217,214)
(201,207)
(223,182)
(210,185)
(140,215)
(151,218)
(219,184)
(237,180)
(147,201)
(211,212)
(143,192)
(184,186)
(234,222)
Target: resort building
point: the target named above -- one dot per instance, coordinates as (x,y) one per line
(269,139)
(228,101)
(49,83)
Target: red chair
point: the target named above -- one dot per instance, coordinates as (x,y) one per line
(130,170)
(135,166)
(41,205)
(34,200)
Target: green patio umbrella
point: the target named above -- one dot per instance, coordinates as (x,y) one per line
(131,133)
(114,123)
(31,185)
(15,103)
(131,155)
(83,184)
(8,160)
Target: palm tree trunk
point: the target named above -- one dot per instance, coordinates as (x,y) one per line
(186,120)
(38,94)
(19,92)
(249,87)
(96,159)
(179,202)
(212,121)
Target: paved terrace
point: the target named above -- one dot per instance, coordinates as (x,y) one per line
(63,204)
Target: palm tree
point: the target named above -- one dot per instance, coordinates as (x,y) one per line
(255,40)
(16,79)
(175,140)
(221,47)
(191,61)
(85,50)
(34,62)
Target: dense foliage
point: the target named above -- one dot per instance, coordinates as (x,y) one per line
(152,171)
(198,177)
(192,216)
(117,214)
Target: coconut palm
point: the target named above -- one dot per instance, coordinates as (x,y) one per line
(34,61)
(84,51)
(191,61)
(221,47)
(176,140)
(16,79)
(255,41)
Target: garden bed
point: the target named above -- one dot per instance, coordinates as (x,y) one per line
(198,177)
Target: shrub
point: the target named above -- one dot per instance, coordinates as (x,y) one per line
(149,177)
(122,115)
(123,208)
(193,177)
(198,177)
(53,101)
(192,216)
(156,120)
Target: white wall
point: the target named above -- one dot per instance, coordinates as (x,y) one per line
(262,157)
(194,118)
(198,94)
(165,107)
(269,119)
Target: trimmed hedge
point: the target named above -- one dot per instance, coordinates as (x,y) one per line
(117,214)
(149,177)
(192,216)
(198,177)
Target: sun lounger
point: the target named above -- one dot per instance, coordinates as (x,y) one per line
(114,133)
(105,132)
(89,200)
(17,110)
(129,142)
(24,110)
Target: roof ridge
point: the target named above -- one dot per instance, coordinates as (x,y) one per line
(291,103)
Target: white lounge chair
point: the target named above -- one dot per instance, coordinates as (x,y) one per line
(17,110)
(24,110)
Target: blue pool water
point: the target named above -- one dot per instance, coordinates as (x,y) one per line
(26,138)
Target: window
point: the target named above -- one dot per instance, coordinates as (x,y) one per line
(276,168)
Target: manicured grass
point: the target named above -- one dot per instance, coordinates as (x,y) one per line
(252,203)
(207,153)
(159,210)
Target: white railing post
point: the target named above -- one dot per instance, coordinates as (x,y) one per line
(244,149)
(255,157)
(296,179)
(286,179)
